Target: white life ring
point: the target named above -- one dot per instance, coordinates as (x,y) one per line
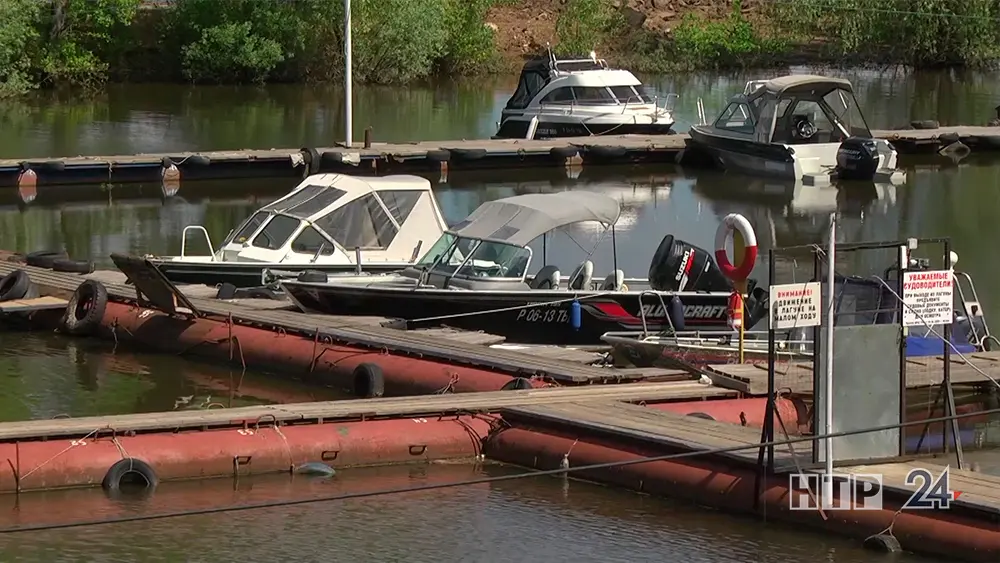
(735,221)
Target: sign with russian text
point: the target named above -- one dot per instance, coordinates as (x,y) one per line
(795,305)
(927,298)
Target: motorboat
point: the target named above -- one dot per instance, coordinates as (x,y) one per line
(580,97)
(859,301)
(329,223)
(800,127)
(475,277)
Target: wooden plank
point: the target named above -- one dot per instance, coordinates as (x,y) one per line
(35,304)
(921,372)
(353,330)
(386,406)
(658,427)
(979,491)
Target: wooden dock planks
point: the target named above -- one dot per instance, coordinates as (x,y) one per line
(627,421)
(361,331)
(33,304)
(978,490)
(428,405)
(668,144)
(920,372)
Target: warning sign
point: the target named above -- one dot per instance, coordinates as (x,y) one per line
(927,298)
(795,305)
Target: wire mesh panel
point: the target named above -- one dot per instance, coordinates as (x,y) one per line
(866,390)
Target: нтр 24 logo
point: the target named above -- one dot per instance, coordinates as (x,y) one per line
(855,491)
(931,493)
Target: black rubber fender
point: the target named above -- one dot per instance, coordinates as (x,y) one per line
(883,543)
(73,266)
(44,258)
(129,469)
(564,152)
(988,142)
(166,162)
(196,160)
(438,155)
(605,152)
(15,285)
(369,382)
(467,154)
(700,415)
(925,124)
(949,138)
(85,308)
(311,157)
(515,384)
(312,276)
(226,291)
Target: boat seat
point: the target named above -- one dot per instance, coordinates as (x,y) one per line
(614,281)
(546,278)
(581,277)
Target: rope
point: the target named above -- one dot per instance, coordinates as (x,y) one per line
(72,444)
(482,480)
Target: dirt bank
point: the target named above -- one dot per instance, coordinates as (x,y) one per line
(525,26)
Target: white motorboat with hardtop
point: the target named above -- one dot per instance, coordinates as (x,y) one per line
(580,97)
(330,223)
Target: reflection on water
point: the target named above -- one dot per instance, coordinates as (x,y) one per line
(45,376)
(535,519)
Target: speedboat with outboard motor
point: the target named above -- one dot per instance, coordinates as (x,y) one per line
(581,97)
(801,128)
(330,223)
(475,277)
(859,301)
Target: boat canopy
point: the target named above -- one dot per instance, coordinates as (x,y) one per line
(796,109)
(520,219)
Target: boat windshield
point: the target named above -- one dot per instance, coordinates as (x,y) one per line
(467,257)
(845,109)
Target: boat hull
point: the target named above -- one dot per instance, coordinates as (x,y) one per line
(549,128)
(743,156)
(249,274)
(530,317)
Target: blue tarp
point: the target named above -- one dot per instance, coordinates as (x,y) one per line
(934,346)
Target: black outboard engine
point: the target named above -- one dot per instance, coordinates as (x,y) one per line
(679,266)
(857,159)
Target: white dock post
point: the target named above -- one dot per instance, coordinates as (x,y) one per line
(348,78)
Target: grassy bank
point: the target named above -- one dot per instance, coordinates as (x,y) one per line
(87,42)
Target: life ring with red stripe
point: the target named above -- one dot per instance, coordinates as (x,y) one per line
(737,222)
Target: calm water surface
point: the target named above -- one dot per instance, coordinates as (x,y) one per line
(532,520)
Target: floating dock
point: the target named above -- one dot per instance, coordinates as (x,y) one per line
(356,354)
(73,452)
(426,157)
(581,434)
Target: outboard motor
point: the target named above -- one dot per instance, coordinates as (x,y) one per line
(679,266)
(857,159)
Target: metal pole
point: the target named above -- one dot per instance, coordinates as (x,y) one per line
(828,391)
(739,255)
(348,78)
(949,391)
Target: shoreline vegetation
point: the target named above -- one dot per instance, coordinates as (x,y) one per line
(85,43)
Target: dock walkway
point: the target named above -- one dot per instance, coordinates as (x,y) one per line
(424,156)
(353,409)
(798,376)
(367,332)
(628,422)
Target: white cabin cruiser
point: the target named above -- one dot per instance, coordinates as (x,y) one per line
(579,98)
(802,128)
(331,223)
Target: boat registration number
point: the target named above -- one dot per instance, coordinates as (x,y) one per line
(543,315)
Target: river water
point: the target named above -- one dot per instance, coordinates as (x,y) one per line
(531,520)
